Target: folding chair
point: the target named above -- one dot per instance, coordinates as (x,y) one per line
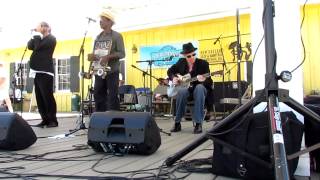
(128,98)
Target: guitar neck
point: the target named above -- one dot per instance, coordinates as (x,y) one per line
(206,75)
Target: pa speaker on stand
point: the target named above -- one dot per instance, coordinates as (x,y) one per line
(124,132)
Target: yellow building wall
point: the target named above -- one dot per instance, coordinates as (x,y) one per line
(204,32)
(63,49)
(311,37)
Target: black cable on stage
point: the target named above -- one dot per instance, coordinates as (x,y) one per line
(45,137)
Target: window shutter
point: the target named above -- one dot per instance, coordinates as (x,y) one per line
(29,85)
(74,70)
(12,77)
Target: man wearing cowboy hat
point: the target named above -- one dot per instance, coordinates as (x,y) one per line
(108,49)
(197,90)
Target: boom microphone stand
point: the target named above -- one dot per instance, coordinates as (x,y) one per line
(144,73)
(151,94)
(271,94)
(81,55)
(224,67)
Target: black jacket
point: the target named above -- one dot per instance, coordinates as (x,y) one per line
(200,67)
(41,57)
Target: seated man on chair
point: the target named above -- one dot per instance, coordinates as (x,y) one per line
(196,68)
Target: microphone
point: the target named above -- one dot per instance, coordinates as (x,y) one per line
(133,66)
(91,19)
(215,42)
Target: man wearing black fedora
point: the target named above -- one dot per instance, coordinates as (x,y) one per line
(197,90)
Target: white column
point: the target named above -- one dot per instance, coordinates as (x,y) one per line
(289,54)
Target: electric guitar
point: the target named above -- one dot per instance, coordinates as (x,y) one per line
(172,90)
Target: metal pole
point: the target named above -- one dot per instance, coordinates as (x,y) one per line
(271,82)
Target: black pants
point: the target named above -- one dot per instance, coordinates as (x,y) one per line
(43,85)
(106,92)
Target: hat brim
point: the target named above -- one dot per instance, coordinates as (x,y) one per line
(188,51)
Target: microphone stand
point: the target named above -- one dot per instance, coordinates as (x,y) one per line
(144,73)
(150,62)
(151,94)
(81,55)
(224,67)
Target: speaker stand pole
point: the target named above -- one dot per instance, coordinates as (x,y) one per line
(270,94)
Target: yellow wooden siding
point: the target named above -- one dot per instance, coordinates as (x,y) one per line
(311,37)
(182,33)
(63,49)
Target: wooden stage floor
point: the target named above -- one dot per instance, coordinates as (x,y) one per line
(54,156)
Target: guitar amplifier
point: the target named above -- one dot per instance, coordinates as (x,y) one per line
(229,89)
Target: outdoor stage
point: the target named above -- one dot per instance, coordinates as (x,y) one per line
(71,158)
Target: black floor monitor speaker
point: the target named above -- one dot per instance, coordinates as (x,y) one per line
(15,132)
(131,132)
(252,137)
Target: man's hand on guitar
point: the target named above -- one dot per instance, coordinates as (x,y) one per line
(201,78)
(92,57)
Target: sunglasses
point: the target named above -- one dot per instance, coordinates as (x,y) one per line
(192,55)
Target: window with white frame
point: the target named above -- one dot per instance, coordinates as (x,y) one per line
(63,74)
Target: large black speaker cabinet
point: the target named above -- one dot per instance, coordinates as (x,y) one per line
(253,137)
(15,132)
(312,129)
(228,89)
(126,132)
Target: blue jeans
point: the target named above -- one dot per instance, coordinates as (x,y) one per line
(199,96)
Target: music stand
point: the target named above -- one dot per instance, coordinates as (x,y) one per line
(270,94)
